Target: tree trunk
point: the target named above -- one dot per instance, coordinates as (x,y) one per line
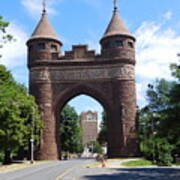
(7,157)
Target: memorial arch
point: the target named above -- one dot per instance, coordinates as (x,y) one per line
(108,77)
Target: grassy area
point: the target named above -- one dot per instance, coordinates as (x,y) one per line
(96,164)
(115,159)
(177,164)
(137,163)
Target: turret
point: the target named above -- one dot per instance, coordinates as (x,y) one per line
(117,42)
(44,44)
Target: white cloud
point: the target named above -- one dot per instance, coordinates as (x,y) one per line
(140,93)
(157,48)
(168,15)
(14,53)
(35,7)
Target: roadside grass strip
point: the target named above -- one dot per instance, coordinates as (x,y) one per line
(137,163)
(177,164)
(93,165)
(17,166)
(122,163)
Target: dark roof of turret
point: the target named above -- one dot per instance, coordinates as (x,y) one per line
(44,29)
(116,26)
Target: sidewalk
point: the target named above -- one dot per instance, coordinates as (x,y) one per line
(112,163)
(117,163)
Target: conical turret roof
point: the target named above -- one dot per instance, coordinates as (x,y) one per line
(116,26)
(44,29)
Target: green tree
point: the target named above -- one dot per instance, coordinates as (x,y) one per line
(4,36)
(95,147)
(175,69)
(159,121)
(3,25)
(70,130)
(158,149)
(102,137)
(173,123)
(18,112)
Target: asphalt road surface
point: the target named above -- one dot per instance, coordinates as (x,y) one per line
(45,171)
(124,174)
(77,170)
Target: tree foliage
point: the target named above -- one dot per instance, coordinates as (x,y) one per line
(18,112)
(4,36)
(3,25)
(70,130)
(95,147)
(102,137)
(160,120)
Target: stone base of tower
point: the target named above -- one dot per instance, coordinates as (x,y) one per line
(125,151)
(48,153)
(45,156)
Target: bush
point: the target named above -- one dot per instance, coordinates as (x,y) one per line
(1,157)
(80,149)
(164,150)
(96,147)
(159,150)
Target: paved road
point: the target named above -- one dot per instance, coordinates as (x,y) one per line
(46,171)
(124,174)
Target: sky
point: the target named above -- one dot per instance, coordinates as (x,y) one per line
(154,23)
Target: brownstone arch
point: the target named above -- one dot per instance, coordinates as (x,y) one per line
(108,77)
(71,92)
(81,89)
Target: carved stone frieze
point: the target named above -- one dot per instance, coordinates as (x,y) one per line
(124,72)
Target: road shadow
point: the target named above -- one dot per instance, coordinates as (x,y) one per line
(138,174)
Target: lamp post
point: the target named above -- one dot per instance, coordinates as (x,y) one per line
(32,150)
(153,135)
(32,137)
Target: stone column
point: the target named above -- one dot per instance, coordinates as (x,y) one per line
(115,134)
(128,109)
(123,141)
(42,90)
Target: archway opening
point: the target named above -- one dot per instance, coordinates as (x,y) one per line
(83,127)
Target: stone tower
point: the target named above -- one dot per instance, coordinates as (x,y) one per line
(108,77)
(117,41)
(89,124)
(44,46)
(118,45)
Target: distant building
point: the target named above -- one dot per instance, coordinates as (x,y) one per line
(89,123)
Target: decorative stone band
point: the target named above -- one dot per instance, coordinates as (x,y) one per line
(61,74)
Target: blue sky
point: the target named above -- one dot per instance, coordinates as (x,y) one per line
(155,24)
